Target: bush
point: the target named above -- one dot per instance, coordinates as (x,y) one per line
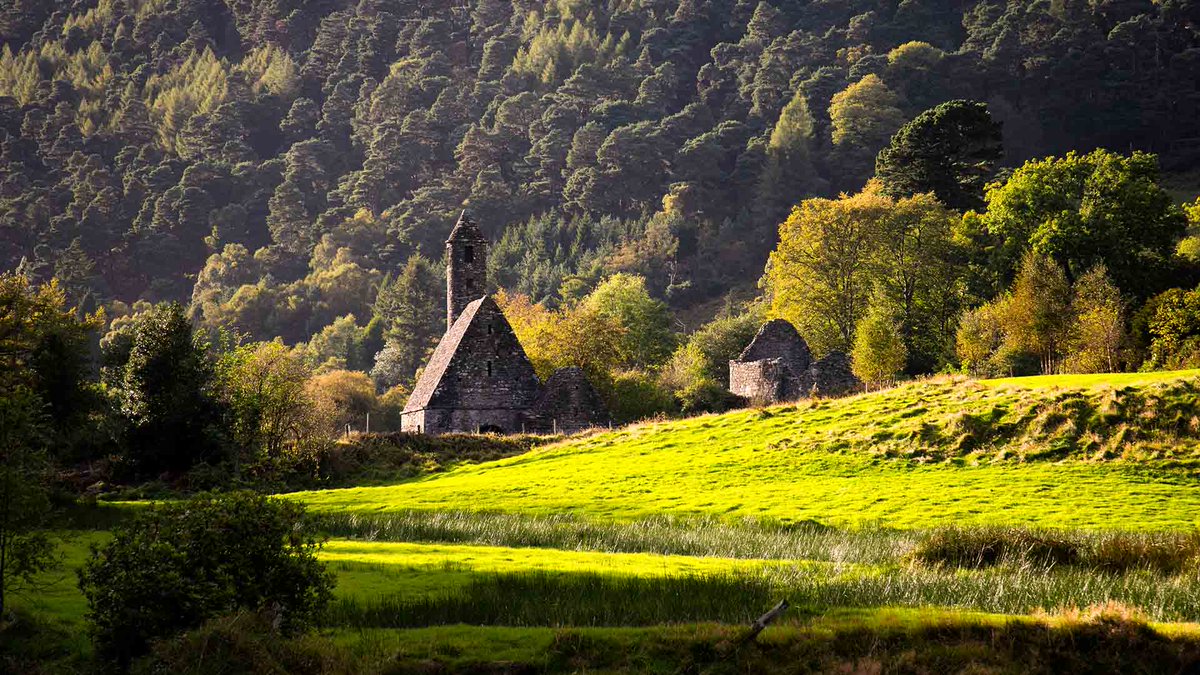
(636,396)
(980,547)
(1168,553)
(706,396)
(244,642)
(172,567)
(398,455)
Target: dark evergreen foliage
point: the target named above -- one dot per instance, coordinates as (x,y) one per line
(950,150)
(140,142)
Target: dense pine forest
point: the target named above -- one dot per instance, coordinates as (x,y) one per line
(291,167)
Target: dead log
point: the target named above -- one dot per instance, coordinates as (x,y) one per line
(765,620)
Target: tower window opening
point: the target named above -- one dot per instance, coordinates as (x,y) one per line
(469,254)
(470,284)
(489,368)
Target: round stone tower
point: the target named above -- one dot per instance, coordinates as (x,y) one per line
(466,267)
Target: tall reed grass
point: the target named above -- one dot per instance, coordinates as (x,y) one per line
(976,547)
(696,536)
(1167,553)
(588,599)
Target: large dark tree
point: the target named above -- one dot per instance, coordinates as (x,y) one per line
(950,150)
(166,394)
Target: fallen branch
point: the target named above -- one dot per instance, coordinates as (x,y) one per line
(765,620)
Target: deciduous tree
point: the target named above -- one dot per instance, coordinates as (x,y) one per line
(879,354)
(1086,210)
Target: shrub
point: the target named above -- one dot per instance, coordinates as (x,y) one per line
(172,567)
(636,395)
(979,547)
(244,642)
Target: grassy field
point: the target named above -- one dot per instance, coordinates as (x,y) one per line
(660,541)
(1068,452)
(1093,380)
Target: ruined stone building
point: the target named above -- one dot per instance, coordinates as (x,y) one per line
(479,378)
(778,366)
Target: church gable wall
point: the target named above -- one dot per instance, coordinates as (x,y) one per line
(488,370)
(761,381)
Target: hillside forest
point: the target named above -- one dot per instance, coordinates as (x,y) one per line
(205,204)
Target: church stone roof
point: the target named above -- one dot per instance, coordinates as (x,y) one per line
(431,377)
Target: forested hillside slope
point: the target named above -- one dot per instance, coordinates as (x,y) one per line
(292,167)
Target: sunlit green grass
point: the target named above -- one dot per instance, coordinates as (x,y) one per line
(505,559)
(831,491)
(1092,380)
(371,570)
(947,451)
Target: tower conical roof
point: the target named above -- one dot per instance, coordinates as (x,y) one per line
(465,230)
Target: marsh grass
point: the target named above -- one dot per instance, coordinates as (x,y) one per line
(742,538)
(542,599)
(969,547)
(586,599)
(1163,553)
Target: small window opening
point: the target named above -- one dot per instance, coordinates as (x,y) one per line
(470,284)
(469,254)
(489,368)
(489,329)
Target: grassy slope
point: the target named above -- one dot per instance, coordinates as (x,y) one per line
(1064,451)
(1100,379)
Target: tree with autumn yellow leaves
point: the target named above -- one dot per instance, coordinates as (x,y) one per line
(835,254)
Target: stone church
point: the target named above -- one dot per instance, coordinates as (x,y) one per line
(777,366)
(479,378)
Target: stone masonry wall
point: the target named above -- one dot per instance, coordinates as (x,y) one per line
(442,421)
(466,269)
(568,404)
(759,381)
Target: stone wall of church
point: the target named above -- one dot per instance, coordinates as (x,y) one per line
(436,421)
(832,376)
(761,381)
